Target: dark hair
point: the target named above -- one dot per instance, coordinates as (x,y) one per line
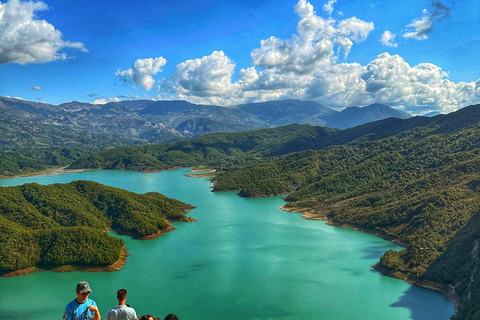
(122,294)
(171,316)
(145,317)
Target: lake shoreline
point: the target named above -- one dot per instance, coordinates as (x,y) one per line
(447,290)
(55,171)
(117,265)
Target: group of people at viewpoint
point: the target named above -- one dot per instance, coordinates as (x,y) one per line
(83,308)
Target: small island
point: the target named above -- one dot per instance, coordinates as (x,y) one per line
(63,227)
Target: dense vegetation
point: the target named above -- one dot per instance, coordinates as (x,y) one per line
(212,149)
(232,149)
(65,223)
(34,160)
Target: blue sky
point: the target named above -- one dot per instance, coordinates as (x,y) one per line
(417,56)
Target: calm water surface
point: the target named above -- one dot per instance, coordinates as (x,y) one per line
(243,259)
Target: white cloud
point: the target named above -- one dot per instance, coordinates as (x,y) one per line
(314,44)
(25,39)
(420,28)
(328,7)
(142,71)
(355,29)
(35,88)
(306,67)
(388,39)
(209,76)
(105,101)
(100,101)
(389,79)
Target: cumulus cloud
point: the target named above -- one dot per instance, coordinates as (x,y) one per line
(388,39)
(315,43)
(25,39)
(35,88)
(209,76)
(307,67)
(389,79)
(328,7)
(142,71)
(420,28)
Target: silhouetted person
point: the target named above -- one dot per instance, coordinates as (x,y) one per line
(121,311)
(82,308)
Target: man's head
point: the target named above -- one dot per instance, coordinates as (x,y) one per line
(147,317)
(83,290)
(122,295)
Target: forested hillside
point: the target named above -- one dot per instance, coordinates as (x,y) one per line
(212,149)
(227,149)
(44,225)
(34,160)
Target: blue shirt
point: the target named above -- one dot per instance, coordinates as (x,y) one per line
(79,311)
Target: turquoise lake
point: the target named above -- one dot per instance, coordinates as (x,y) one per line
(243,259)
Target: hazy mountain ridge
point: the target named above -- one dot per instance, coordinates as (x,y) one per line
(145,121)
(355,116)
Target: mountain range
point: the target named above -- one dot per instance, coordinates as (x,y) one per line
(27,124)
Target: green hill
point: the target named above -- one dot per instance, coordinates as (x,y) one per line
(211,149)
(44,225)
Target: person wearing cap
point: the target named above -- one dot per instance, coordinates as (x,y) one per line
(82,308)
(121,311)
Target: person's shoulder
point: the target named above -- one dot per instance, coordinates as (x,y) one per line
(91,302)
(71,304)
(129,308)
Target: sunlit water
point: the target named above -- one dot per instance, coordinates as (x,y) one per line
(243,259)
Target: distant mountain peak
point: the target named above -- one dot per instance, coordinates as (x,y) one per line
(354,116)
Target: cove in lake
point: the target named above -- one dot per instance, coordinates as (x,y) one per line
(243,259)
